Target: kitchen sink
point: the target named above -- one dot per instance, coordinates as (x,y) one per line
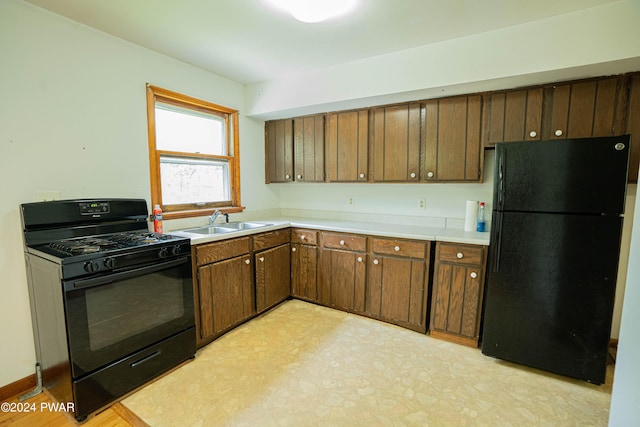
(242,225)
(225,228)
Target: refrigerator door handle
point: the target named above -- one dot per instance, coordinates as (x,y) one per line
(496,239)
(501,172)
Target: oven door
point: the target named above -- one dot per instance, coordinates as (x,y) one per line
(112,316)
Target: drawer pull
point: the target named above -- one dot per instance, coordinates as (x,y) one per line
(375,261)
(247,261)
(261,259)
(359,259)
(397,248)
(459,255)
(430,174)
(473,275)
(533,134)
(341,242)
(293,249)
(361,176)
(412,175)
(299,176)
(302,237)
(558,132)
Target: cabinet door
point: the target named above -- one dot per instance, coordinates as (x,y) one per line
(226,295)
(304,271)
(273,276)
(342,279)
(279,150)
(581,109)
(347,148)
(513,116)
(453,149)
(397,291)
(308,148)
(633,127)
(395,141)
(456,300)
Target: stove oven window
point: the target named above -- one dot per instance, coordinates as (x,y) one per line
(192,146)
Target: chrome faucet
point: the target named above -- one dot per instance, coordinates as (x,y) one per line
(213,217)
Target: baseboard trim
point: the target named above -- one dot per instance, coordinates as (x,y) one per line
(17,387)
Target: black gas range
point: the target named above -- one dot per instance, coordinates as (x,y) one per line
(111,302)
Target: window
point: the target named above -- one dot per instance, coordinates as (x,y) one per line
(193,155)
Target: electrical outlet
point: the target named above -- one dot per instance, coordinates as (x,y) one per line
(422,203)
(350,200)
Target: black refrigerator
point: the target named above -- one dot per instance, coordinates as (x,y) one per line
(555,243)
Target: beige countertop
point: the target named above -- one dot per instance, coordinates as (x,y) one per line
(404,231)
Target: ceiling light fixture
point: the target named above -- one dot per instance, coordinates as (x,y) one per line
(312,11)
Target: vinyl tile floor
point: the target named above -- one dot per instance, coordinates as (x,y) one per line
(305,365)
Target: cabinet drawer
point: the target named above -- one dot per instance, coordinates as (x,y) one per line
(303,236)
(218,251)
(461,254)
(344,241)
(270,239)
(404,248)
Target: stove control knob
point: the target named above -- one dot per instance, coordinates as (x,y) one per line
(109,263)
(91,266)
(177,249)
(163,253)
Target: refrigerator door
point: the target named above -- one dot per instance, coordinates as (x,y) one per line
(550,291)
(577,175)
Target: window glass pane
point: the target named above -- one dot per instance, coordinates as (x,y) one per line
(181,129)
(186,180)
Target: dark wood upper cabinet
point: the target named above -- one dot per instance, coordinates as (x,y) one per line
(347,146)
(452,143)
(633,126)
(308,148)
(582,109)
(279,150)
(395,143)
(513,116)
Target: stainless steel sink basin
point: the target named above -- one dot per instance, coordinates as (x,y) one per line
(225,228)
(242,225)
(209,230)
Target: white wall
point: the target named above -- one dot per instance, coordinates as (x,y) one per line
(625,400)
(73,119)
(593,42)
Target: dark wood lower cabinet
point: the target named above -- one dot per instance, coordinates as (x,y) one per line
(226,295)
(458,289)
(304,272)
(273,276)
(342,279)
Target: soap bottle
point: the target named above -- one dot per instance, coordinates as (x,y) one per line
(157,219)
(481,224)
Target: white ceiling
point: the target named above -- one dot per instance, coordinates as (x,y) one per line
(248,41)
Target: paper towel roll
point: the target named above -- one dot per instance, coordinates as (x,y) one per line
(471,216)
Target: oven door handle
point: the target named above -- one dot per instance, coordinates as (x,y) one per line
(124,275)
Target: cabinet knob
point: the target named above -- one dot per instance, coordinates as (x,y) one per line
(359,259)
(247,261)
(293,249)
(261,259)
(375,261)
(430,174)
(412,174)
(299,176)
(397,248)
(558,132)
(342,242)
(361,176)
(533,134)
(460,255)
(473,275)
(287,176)
(302,237)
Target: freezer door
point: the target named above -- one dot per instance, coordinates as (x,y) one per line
(550,291)
(572,176)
